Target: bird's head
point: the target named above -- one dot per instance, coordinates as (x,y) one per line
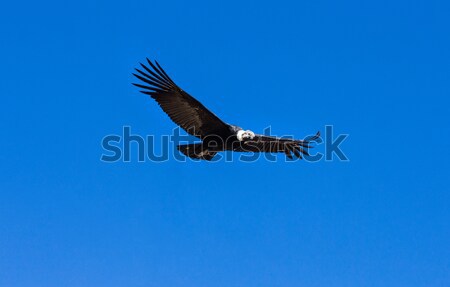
(245,135)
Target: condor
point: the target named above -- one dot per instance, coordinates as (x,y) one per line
(197,120)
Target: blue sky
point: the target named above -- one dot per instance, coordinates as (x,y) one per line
(378,71)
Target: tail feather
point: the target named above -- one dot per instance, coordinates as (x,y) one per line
(196,151)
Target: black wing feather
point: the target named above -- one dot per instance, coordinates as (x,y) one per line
(262,143)
(181,107)
(157,76)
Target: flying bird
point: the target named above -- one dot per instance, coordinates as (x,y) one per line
(215,134)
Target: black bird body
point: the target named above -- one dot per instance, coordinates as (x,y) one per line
(197,120)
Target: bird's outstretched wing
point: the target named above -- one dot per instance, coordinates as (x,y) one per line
(262,143)
(181,107)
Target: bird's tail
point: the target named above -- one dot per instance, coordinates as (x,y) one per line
(196,151)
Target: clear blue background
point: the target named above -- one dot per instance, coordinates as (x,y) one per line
(378,71)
